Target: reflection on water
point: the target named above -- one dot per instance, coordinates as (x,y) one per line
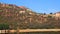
(38,33)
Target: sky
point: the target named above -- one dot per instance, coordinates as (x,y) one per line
(39,6)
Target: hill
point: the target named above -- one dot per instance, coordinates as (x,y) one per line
(24,18)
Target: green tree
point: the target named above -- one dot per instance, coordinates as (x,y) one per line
(51,13)
(4,26)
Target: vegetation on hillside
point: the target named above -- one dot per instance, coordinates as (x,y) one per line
(16,17)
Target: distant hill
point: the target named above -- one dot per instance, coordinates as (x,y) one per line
(24,18)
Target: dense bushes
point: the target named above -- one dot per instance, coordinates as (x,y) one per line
(4,26)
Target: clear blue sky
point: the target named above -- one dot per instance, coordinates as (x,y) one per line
(39,6)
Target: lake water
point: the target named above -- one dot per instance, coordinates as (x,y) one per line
(37,33)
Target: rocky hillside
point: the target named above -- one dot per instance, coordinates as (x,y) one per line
(24,18)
